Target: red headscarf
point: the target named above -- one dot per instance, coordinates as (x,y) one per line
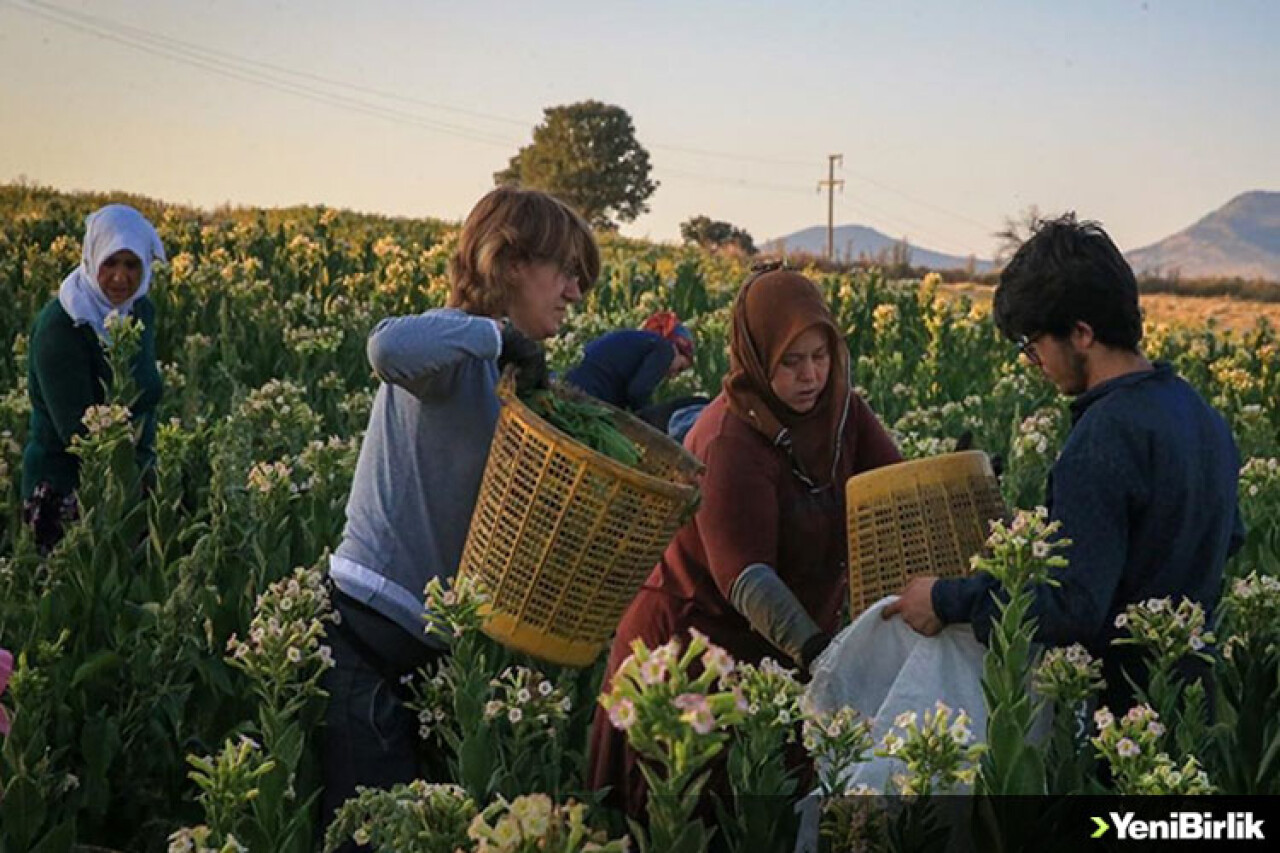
(667,325)
(771,311)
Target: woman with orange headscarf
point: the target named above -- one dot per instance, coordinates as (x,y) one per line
(761,568)
(624,367)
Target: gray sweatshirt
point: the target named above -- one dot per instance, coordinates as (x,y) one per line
(421,461)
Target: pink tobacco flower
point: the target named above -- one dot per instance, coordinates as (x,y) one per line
(623,714)
(697,712)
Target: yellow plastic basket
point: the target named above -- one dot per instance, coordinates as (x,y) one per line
(562,537)
(924,517)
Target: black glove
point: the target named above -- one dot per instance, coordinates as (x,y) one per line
(528,358)
(813,649)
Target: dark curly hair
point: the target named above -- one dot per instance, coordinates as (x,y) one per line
(1069,272)
(510,226)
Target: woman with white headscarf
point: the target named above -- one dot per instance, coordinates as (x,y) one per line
(67,368)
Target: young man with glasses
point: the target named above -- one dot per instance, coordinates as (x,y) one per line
(1145,486)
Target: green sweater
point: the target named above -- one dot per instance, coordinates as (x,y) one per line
(67,372)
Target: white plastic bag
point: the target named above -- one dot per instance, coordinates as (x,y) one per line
(883,668)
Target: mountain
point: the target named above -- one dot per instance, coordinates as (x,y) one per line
(853,241)
(1241,239)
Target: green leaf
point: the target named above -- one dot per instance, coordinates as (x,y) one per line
(59,839)
(1267,767)
(98,667)
(100,742)
(23,811)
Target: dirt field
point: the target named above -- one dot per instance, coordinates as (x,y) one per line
(1165,308)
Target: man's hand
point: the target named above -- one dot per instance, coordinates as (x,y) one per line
(527,356)
(915,605)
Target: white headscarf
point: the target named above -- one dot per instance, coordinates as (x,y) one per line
(107,231)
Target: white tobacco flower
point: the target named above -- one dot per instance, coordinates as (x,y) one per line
(1103,718)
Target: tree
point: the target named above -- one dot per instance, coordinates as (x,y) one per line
(714,234)
(1016,231)
(900,255)
(587,155)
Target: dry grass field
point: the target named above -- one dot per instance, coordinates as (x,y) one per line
(1226,313)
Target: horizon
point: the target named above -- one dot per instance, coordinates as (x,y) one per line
(1162,111)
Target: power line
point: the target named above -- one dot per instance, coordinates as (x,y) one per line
(737,183)
(928,204)
(266,81)
(152,42)
(725,155)
(908,226)
(170,41)
(275,77)
(214,61)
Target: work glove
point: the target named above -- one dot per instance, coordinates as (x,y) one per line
(526,356)
(775,613)
(813,649)
(965,442)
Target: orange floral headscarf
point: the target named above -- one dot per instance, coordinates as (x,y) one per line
(667,325)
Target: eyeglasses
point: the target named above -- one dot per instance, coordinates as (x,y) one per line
(1027,346)
(569,274)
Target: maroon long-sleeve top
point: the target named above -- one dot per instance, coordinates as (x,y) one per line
(754,510)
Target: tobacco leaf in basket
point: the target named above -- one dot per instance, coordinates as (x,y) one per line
(586,422)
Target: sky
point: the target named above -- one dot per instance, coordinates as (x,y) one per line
(950,116)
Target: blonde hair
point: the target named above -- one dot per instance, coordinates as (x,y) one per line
(510,226)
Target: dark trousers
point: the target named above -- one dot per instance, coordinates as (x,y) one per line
(370,737)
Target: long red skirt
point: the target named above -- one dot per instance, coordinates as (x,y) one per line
(655,617)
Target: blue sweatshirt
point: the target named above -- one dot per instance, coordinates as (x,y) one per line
(623,368)
(421,460)
(1145,487)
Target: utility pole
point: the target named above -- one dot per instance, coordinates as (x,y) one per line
(831,183)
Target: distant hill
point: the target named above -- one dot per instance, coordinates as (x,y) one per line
(1241,239)
(855,241)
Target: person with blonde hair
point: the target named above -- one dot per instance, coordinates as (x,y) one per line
(67,369)
(522,259)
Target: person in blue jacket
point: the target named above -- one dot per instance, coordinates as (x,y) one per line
(523,258)
(625,367)
(1145,485)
